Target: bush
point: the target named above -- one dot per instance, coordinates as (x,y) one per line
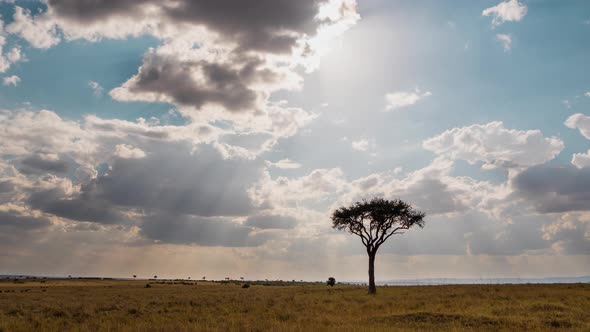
(246,286)
(331,281)
(148,286)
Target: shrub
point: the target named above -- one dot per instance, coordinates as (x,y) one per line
(331,281)
(246,285)
(148,286)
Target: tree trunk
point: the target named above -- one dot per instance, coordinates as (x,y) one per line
(372,288)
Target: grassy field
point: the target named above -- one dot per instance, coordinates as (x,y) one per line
(94,305)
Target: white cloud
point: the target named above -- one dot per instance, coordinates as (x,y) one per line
(581,122)
(495,146)
(11,80)
(396,100)
(587,94)
(506,40)
(508,11)
(39,31)
(361,144)
(14,55)
(96,88)
(285,164)
(581,160)
(126,151)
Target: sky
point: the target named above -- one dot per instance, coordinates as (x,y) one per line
(214,138)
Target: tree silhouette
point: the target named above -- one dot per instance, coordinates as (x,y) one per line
(374,221)
(331,281)
(134,276)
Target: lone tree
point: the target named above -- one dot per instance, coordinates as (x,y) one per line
(374,221)
(331,281)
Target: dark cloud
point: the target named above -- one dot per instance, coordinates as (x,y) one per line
(175,79)
(433,196)
(255,24)
(6,186)
(83,208)
(171,180)
(200,231)
(271,222)
(174,179)
(38,164)
(267,25)
(555,188)
(15,221)
(89,11)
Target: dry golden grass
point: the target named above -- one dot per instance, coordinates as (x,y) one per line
(91,305)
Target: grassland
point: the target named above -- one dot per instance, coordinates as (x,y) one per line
(94,305)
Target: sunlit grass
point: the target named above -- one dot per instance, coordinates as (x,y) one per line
(81,305)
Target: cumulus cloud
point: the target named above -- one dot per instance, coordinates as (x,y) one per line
(507,11)
(128,152)
(401,99)
(39,31)
(495,146)
(506,40)
(227,56)
(581,160)
(570,234)
(11,80)
(10,57)
(581,122)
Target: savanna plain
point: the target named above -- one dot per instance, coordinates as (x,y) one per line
(114,305)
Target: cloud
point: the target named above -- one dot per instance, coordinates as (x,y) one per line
(11,80)
(97,90)
(570,234)
(196,82)
(396,100)
(271,222)
(222,59)
(361,144)
(495,146)
(554,189)
(506,40)
(581,122)
(128,152)
(10,57)
(40,163)
(581,160)
(508,11)
(200,231)
(587,94)
(285,164)
(14,219)
(39,31)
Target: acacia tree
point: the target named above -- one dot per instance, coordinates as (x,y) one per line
(374,221)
